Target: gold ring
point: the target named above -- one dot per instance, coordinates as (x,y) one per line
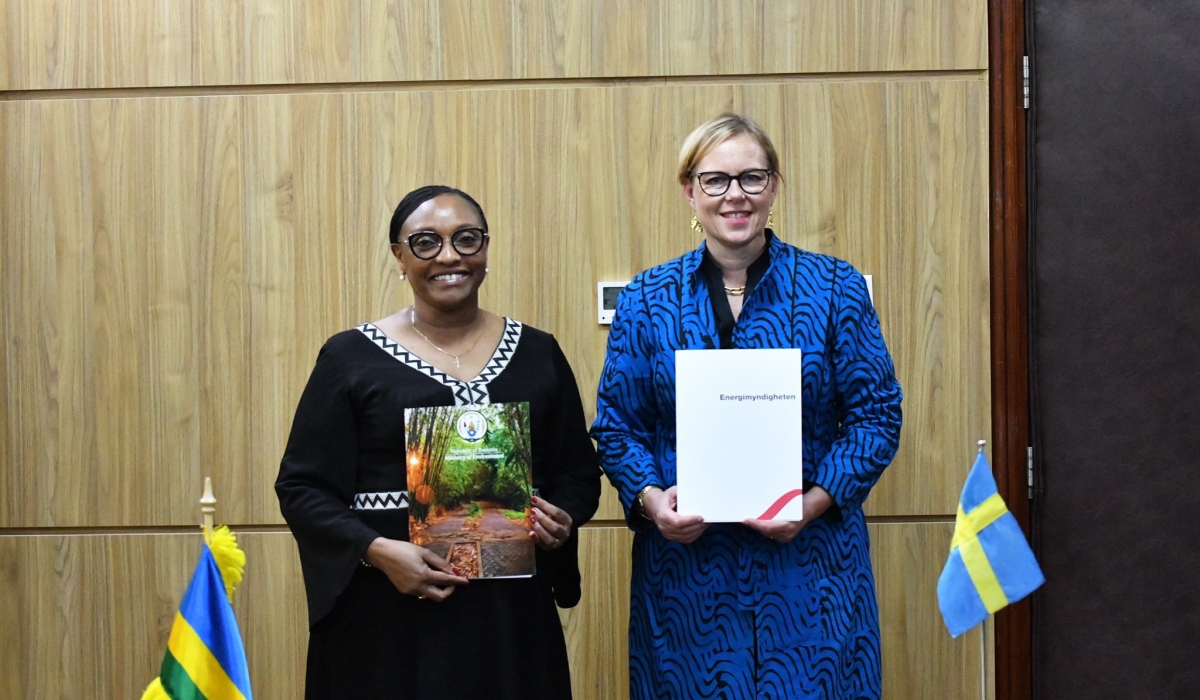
(420,597)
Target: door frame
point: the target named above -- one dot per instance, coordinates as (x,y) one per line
(1009,244)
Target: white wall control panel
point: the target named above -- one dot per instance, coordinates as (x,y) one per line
(606,300)
(870,288)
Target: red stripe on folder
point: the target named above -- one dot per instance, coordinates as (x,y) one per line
(778,505)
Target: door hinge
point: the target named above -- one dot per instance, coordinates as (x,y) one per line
(1029,470)
(1025,80)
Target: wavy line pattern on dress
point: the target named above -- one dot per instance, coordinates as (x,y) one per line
(734,614)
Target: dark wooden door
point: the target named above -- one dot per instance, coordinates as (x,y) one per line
(1115,330)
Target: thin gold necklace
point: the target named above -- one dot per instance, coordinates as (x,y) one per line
(412,318)
(735,291)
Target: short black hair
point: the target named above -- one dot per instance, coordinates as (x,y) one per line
(419,196)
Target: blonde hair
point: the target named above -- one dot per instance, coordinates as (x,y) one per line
(708,135)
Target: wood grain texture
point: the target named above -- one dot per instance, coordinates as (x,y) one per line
(597,630)
(173,265)
(271,612)
(1012,430)
(931,288)
(64,44)
(920,658)
(88,615)
(180,261)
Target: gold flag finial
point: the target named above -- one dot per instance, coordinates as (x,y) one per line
(208,507)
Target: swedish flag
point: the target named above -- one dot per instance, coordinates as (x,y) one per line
(990,563)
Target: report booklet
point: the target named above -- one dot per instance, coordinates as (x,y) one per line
(738,426)
(470,483)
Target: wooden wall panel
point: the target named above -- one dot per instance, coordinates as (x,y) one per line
(88,615)
(142,43)
(929,258)
(64,44)
(172,264)
(48,45)
(183,260)
(920,658)
(273,616)
(222,281)
(597,630)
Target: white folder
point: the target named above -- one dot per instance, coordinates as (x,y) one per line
(738,423)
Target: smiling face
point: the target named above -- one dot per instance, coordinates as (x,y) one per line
(449,280)
(733,219)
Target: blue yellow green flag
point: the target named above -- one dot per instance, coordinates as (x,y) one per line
(205,658)
(990,563)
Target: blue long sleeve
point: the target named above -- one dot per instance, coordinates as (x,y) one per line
(626,411)
(867,398)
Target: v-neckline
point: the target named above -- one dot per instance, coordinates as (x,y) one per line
(472,392)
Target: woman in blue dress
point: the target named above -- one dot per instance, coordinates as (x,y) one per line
(760,609)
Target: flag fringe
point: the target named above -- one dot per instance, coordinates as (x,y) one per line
(230,560)
(155,691)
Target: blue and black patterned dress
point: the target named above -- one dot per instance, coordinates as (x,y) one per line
(735,614)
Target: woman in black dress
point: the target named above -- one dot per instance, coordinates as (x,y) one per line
(389,619)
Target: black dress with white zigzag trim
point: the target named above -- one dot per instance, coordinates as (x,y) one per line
(342,484)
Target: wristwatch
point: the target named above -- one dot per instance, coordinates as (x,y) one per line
(640,498)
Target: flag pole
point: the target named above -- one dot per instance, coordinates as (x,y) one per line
(208,507)
(982,444)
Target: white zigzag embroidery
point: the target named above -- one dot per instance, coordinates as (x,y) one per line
(500,359)
(381,500)
(473,393)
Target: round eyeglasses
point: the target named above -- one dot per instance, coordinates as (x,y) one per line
(716,184)
(426,245)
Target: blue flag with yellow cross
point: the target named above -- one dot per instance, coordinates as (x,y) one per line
(990,563)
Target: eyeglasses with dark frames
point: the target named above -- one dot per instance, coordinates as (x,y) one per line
(426,245)
(717,183)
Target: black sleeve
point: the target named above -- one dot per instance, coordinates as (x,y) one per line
(574,482)
(316,485)
(574,485)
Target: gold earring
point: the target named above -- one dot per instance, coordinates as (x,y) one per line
(771,219)
(696,225)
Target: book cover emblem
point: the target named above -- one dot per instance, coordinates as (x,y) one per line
(470,474)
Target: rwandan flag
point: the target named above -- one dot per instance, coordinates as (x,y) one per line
(990,564)
(205,658)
